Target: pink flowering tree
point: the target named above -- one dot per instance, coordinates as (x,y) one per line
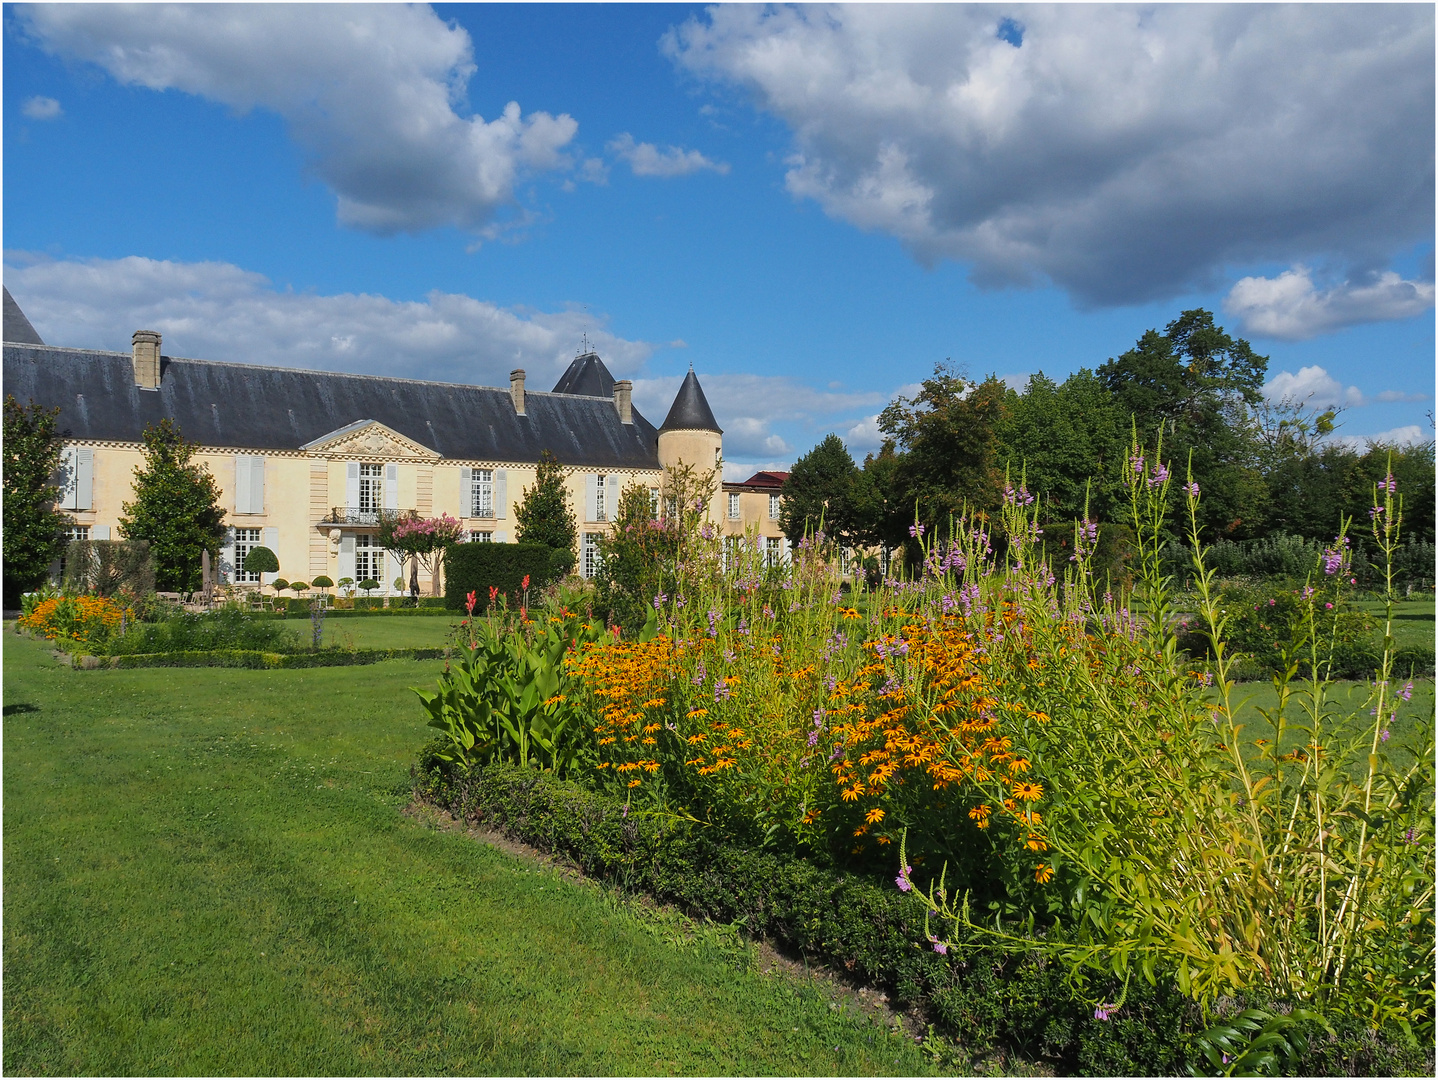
(421,539)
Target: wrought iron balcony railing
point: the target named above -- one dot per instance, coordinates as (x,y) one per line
(355,515)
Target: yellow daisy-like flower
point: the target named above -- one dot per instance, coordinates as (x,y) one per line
(1028,791)
(1044,874)
(874,815)
(634,783)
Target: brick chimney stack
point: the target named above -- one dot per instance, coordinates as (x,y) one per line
(623,391)
(516,390)
(146,350)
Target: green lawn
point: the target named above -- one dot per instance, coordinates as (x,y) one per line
(208,871)
(1412,620)
(384,632)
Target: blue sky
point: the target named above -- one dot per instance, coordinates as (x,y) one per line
(810,206)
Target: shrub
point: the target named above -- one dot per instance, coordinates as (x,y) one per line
(368,585)
(299,586)
(478,568)
(261,560)
(280,585)
(187,631)
(322,582)
(109,567)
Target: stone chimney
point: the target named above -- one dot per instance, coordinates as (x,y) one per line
(146,347)
(623,389)
(516,390)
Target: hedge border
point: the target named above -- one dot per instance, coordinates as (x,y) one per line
(872,932)
(257,659)
(361,613)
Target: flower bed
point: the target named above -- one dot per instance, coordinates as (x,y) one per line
(253,658)
(1034,756)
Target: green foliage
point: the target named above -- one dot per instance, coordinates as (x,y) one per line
(281,584)
(187,631)
(1195,384)
(819,494)
(543,515)
(176,508)
(322,582)
(367,586)
(261,560)
(639,560)
(299,586)
(477,568)
(948,444)
(109,567)
(32,535)
(271,661)
(507,697)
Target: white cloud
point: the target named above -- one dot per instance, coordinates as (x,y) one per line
(1126,153)
(1407,435)
(864,436)
(1291,307)
(218,311)
(373,93)
(645,159)
(42,108)
(1311,386)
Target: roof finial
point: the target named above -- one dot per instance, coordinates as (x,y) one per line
(584,347)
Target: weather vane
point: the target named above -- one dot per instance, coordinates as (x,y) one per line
(584,348)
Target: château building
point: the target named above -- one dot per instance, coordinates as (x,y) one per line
(308,461)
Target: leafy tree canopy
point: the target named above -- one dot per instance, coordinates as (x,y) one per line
(176,508)
(261,560)
(820,489)
(32,539)
(544,516)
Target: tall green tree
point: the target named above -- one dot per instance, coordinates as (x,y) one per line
(820,489)
(1198,386)
(176,508)
(33,538)
(946,440)
(1068,441)
(543,515)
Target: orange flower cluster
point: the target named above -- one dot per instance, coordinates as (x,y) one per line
(939,719)
(629,681)
(85,619)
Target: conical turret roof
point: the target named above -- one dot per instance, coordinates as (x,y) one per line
(586,376)
(690,411)
(17,327)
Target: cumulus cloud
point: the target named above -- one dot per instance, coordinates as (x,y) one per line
(219,311)
(1407,435)
(1125,153)
(374,94)
(1291,307)
(865,436)
(1311,386)
(42,108)
(646,159)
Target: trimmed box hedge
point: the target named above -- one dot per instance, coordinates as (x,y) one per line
(869,930)
(478,567)
(252,658)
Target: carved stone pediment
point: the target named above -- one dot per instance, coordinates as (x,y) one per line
(371,440)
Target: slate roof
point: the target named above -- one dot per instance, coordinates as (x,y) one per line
(268,408)
(690,410)
(588,376)
(17,327)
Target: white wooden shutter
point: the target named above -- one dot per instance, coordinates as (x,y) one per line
(466,492)
(501,537)
(272,541)
(226,569)
(347,555)
(391,487)
(257,484)
(591,496)
(242,484)
(501,493)
(100,532)
(611,497)
(784,549)
(65,478)
(84,477)
(352,484)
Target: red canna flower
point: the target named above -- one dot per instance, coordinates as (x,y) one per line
(469,601)
(525,583)
(493,593)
